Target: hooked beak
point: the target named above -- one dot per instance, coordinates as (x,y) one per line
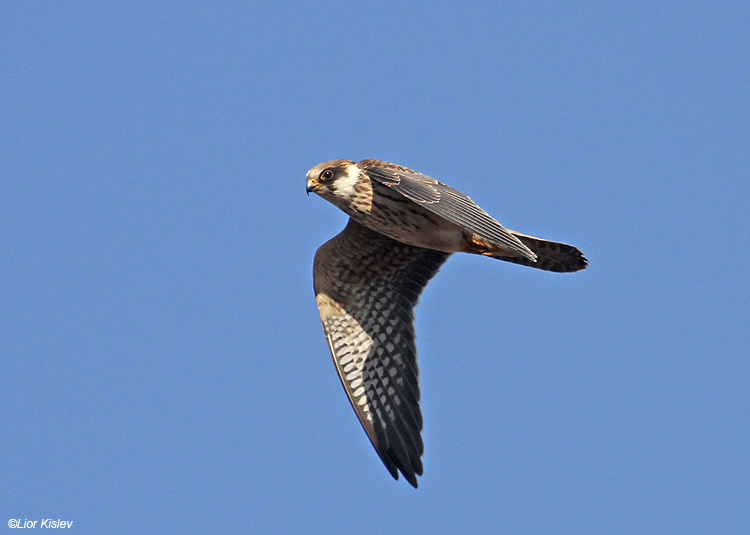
(312,185)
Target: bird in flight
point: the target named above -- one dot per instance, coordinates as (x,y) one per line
(403,225)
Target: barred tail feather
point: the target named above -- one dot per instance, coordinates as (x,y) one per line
(551,256)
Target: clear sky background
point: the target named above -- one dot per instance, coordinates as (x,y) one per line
(162,361)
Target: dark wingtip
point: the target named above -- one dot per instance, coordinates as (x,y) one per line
(411,477)
(395,468)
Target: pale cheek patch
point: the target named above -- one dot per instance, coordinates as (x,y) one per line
(346,184)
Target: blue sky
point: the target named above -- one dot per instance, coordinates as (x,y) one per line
(163,364)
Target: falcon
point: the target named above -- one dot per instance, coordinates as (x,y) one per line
(403,225)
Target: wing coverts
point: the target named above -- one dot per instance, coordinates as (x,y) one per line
(367,286)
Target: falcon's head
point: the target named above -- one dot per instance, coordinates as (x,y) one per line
(335,181)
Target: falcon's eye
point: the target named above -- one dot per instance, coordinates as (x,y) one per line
(326,175)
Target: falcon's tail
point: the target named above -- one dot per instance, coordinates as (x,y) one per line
(550,255)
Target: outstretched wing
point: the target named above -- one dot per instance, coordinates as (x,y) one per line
(443,201)
(366,287)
